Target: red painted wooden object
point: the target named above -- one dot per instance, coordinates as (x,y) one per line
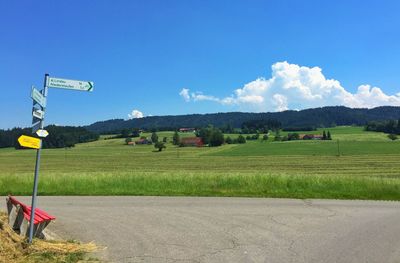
(40,215)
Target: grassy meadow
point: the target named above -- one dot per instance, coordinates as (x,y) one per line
(365,167)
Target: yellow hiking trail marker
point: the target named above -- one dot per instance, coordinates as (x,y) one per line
(29,142)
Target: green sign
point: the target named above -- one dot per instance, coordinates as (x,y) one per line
(69,84)
(38,97)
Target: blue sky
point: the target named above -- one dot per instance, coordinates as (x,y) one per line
(179,57)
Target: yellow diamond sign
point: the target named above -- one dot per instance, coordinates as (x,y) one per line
(30,142)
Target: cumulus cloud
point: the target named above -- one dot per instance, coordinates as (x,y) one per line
(297,87)
(135,114)
(185,94)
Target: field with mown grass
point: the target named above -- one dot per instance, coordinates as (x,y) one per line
(366,166)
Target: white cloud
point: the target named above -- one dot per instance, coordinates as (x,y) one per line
(185,94)
(135,114)
(297,87)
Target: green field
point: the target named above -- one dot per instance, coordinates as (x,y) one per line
(366,168)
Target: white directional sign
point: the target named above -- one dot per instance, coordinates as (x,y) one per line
(42,133)
(70,84)
(38,114)
(38,97)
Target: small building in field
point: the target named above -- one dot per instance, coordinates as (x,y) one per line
(187,129)
(192,141)
(310,137)
(143,141)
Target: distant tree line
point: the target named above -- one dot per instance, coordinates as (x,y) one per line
(305,128)
(59,136)
(231,121)
(389,126)
(260,126)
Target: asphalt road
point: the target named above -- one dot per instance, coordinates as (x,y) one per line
(189,229)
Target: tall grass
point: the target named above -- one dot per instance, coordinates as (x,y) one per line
(206,184)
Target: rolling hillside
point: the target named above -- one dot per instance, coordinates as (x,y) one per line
(318,117)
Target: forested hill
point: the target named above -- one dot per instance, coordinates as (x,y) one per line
(318,117)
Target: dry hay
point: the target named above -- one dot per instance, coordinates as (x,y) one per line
(14,248)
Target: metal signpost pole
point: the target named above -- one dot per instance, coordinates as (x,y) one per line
(38,111)
(36,178)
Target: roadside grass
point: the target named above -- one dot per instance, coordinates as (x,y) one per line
(365,169)
(14,249)
(203,184)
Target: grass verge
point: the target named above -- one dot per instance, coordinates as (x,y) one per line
(206,184)
(14,249)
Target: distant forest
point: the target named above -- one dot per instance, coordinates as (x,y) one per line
(59,136)
(389,126)
(288,120)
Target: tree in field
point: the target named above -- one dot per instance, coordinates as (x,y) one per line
(154,137)
(211,136)
(164,139)
(128,140)
(278,136)
(324,135)
(392,136)
(175,138)
(328,136)
(241,139)
(265,137)
(217,138)
(135,132)
(205,134)
(159,146)
(125,133)
(293,136)
(398,126)
(228,140)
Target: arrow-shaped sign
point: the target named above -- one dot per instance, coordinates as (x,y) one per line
(42,133)
(29,142)
(70,84)
(38,97)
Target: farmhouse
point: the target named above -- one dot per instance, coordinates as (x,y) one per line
(143,141)
(310,137)
(192,141)
(187,129)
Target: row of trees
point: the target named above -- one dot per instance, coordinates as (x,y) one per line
(260,126)
(390,126)
(59,136)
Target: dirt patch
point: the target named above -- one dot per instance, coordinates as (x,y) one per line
(15,249)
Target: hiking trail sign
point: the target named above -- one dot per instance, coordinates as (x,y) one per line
(42,133)
(29,142)
(38,112)
(70,84)
(38,97)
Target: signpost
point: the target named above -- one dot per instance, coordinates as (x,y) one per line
(29,142)
(38,97)
(38,114)
(36,126)
(42,133)
(70,84)
(39,106)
